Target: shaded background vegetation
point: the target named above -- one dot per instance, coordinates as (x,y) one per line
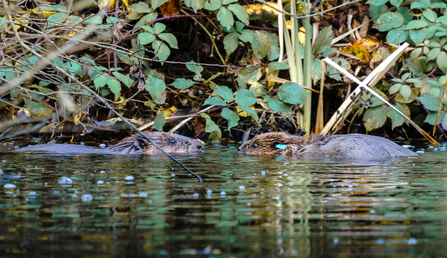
(217,62)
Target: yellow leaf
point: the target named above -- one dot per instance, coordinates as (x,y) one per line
(110,4)
(77,117)
(167,112)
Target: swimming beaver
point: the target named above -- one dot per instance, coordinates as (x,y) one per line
(136,144)
(358,146)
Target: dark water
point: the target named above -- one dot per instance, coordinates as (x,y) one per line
(105,205)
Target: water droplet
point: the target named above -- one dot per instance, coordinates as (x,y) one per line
(9,186)
(372,211)
(336,240)
(412,241)
(172,174)
(222,193)
(263,173)
(65,181)
(143,194)
(380,241)
(100,182)
(87,198)
(195,195)
(129,178)
(102,172)
(209,192)
(242,187)
(32,193)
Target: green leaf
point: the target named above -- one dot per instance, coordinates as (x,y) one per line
(418,36)
(261,44)
(225,17)
(183,83)
(323,40)
(57,19)
(100,81)
(94,19)
(442,19)
(111,20)
(161,50)
(147,18)
(278,106)
(405,91)
(232,117)
(388,21)
(170,38)
(124,79)
(430,15)
(227,2)
(240,12)
(441,61)
(159,122)
(377,10)
(396,3)
(438,5)
(157,89)
(421,4)
(396,36)
(157,3)
(38,109)
(197,69)
(374,118)
(433,53)
(250,111)
(210,125)
(225,93)
(274,66)
(246,36)
(231,42)
(215,101)
(140,7)
(395,88)
(377,2)
(213,5)
(148,29)
(416,24)
(258,89)
(159,28)
(245,97)
(114,86)
(429,101)
(396,118)
(292,93)
(145,38)
(196,4)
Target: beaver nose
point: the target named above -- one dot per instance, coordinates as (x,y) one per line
(199,147)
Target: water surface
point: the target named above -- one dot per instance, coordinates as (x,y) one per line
(246,206)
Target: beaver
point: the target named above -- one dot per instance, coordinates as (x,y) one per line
(135,144)
(357,146)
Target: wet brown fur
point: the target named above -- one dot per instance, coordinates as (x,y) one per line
(171,143)
(135,144)
(350,146)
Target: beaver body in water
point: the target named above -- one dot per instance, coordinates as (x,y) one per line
(136,144)
(356,146)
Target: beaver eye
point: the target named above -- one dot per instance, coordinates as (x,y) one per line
(279,145)
(199,147)
(172,142)
(255,145)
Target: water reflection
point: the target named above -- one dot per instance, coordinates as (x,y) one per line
(246,206)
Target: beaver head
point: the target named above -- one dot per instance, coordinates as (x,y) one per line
(269,143)
(281,144)
(170,142)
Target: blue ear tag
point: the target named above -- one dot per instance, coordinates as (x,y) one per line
(281,146)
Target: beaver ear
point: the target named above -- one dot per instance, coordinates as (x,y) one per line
(246,136)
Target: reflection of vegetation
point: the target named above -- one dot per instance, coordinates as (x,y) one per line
(152,57)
